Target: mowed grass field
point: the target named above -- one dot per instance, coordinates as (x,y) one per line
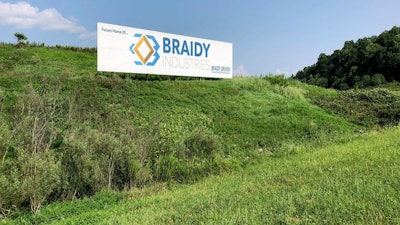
(353,183)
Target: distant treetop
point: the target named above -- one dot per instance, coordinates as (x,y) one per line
(20,37)
(367,62)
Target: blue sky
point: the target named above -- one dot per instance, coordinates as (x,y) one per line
(269,36)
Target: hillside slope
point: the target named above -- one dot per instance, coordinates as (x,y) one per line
(351,183)
(67,131)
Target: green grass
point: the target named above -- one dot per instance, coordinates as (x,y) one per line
(265,151)
(351,183)
(245,112)
(45,61)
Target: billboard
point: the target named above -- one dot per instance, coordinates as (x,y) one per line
(133,50)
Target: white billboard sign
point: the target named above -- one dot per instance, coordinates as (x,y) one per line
(132,50)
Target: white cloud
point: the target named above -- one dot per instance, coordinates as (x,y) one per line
(285,73)
(24,15)
(240,71)
(279,71)
(88,35)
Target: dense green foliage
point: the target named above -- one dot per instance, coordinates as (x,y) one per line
(367,62)
(367,107)
(351,183)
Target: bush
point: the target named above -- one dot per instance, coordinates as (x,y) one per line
(13,189)
(32,172)
(95,160)
(198,158)
(143,177)
(201,144)
(365,107)
(378,79)
(168,167)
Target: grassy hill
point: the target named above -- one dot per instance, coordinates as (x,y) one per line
(351,183)
(67,132)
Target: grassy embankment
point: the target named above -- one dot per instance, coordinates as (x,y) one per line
(183,130)
(351,183)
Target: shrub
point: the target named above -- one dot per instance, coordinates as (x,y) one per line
(365,107)
(143,177)
(95,160)
(378,79)
(13,189)
(201,144)
(32,172)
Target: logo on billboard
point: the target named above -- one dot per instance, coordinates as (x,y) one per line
(145,49)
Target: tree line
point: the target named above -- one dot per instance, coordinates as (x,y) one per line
(369,61)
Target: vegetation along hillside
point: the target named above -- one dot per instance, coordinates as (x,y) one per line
(67,131)
(351,183)
(367,62)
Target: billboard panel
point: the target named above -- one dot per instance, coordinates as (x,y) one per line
(133,50)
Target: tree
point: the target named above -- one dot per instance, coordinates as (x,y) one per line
(344,68)
(21,38)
